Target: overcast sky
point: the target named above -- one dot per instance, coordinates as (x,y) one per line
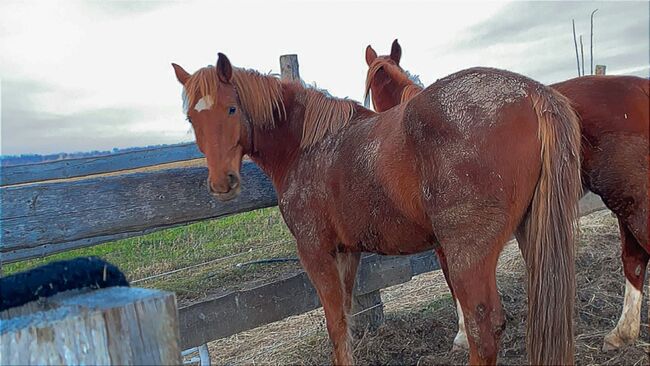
(93,75)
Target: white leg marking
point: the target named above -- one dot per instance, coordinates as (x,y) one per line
(203,103)
(627,329)
(460,342)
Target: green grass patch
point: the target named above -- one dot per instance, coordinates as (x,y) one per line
(259,234)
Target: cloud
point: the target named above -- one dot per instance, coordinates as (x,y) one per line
(125,8)
(535,38)
(98,72)
(27,129)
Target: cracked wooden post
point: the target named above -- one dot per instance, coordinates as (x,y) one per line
(116,326)
(289,67)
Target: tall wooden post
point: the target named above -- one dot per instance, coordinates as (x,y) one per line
(600,69)
(289,67)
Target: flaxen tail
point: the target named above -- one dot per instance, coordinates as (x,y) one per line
(550,231)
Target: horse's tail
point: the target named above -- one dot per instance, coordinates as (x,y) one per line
(550,230)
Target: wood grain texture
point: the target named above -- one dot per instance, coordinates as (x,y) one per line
(70,168)
(118,325)
(51,217)
(289,69)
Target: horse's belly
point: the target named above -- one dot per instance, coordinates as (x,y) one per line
(392,236)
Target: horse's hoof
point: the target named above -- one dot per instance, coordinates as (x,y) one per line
(612,342)
(460,344)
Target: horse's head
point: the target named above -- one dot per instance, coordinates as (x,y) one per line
(382,81)
(222,131)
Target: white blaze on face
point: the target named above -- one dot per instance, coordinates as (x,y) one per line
(203,104)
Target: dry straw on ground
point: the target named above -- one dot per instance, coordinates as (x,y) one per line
(421,320)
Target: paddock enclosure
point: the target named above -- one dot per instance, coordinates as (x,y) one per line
(65,205)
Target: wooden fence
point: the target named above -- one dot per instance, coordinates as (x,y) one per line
(44,211)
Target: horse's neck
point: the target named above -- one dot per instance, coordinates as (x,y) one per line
(277,148)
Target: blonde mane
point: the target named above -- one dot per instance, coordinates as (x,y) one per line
(323,115)
(409,92)
(261,99)
(400,76)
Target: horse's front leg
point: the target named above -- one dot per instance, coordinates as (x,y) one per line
(327,271)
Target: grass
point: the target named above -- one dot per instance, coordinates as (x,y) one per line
(253,235)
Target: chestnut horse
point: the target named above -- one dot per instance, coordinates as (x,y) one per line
(475,157)
(614,118)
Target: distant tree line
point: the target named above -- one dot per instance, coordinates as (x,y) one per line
(9,160)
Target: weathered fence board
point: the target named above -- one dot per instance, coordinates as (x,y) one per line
(243,310)
(70,168)
(117,325)
(51,217)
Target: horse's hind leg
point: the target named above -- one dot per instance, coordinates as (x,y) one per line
(476,291)
(460,341)
(326,271)
(635,261)
(472,258)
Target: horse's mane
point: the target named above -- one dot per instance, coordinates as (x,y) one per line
(412,83)
(409,92)
(261,98)
(323,115)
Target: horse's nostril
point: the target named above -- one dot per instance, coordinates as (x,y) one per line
(233,181)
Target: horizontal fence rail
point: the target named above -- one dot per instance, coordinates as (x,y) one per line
(243,310)
(79,167)
(47,218)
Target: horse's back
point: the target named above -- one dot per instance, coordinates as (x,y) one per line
(470,102)
(607,104)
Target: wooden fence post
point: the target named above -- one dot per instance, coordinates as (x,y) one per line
(600,69)
(367,312)
(289,67)
(116,325)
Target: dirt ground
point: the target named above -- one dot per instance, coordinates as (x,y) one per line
(421,320)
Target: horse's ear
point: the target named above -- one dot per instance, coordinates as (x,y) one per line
(224,68)
(371,55)
(181,74)
(395,52)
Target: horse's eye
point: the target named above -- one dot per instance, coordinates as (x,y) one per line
(232,110)
(188,119)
